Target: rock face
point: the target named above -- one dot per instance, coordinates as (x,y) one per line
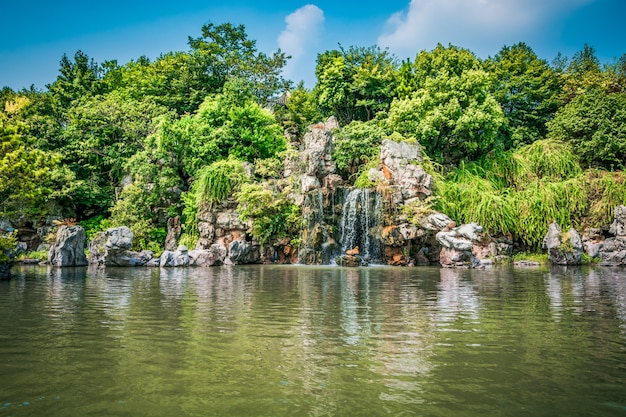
(612,251)
(563,248)
(69,247)
(314,162)
(180,257)
(173,233)
(241,252)
(224,236)
(214,256)
(400,166)
(457,244)
(5,266)
(112,248)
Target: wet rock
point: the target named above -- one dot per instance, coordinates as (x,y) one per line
(350,261)
(177,258)
(69,247)
(241,252)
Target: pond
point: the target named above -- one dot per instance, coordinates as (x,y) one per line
(313,341)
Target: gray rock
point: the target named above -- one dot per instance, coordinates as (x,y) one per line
(173,233)
(457,244)
(111,248)
(618,227)
(214,256)
(563,248)
(241,252)
(69,247)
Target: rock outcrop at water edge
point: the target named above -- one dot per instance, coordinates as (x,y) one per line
(563,248)
(69,247)
(612,251)
(457,244)
(112,248)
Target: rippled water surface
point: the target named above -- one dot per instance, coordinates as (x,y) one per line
(313,341)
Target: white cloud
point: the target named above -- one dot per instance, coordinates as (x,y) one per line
(468,23)
(303,29)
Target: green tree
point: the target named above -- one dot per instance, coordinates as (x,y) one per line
(24,171)
(77,79)
(528,91)
(102,133)
(453,113)
(225,52)
(595,124)
(355,83)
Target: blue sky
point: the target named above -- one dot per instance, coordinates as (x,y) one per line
(34,35)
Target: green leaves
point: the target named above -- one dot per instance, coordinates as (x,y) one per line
(453,116)
(24,171)
(595,124)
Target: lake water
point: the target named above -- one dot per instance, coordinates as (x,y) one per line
(313,341)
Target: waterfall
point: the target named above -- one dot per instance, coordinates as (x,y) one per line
(361,213)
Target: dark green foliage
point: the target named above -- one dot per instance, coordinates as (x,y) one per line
(528,90)
(7,246)
(355,84)
(595,124)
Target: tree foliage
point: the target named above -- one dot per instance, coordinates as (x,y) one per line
(24,171)
(355,83)
(595,124)
(528,91)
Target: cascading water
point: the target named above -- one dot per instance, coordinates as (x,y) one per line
(361,213)
(318,243)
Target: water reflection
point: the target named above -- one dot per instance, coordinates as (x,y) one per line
(281,340)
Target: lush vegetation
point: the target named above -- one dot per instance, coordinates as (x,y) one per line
(515,140)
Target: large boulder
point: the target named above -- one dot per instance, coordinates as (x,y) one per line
(214,256)
(242,252)
(401,167)
(69,247)
(563,248)
(314,162)
(112,248)
(174,231)
(180,257)
(457,244)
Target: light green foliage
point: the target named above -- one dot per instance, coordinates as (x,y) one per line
(357,144)
(595,124)
(528,90)
(362,175)
(218,181)
(451,61)
(521,192)
(606,190)
(24,171)
(452,117)
(355,83)
(299,111)
(182,80)
(228,124)
(273,215)
(225,52)
(95,225)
